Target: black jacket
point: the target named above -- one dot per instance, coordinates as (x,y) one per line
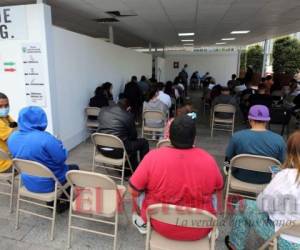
(116,121)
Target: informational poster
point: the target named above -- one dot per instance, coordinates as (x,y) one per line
(13,23)
(33,74)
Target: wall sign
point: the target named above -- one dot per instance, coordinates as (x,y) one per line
(13,23)
(33,74)
(175,65)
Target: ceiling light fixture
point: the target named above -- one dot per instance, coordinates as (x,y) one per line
(186,34)
(187,40)
(240,32)
(220,43)
(228,39)
(188,44)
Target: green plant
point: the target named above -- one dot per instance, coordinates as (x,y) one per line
(286,55)
(255,57)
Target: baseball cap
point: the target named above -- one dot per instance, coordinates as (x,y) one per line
(183,132)
(259,113)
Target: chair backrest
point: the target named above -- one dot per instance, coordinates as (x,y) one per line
(33,168)
(224,108)
(106,140)
(254,162)
(164,143)
(172,214)
(4,155)
(92,111)
(154,115)
(87,179)
(292,230)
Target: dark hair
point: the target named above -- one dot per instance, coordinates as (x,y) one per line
(185,65)
(263,79)
(3,96)
(143,78)
(160,86)
(269,77)
(106,86)
(183,132)
(233,76)
(262,86)
(169,89)
(134,79)
(99,91)
(152,92)
(224,88)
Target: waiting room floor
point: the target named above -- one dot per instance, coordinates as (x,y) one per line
(34,232)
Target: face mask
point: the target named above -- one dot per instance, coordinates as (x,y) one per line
(4,112)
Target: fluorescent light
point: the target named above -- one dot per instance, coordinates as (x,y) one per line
(240,32)
(228,39)
(220,43)
(188,44)
(187,40)
(186,34)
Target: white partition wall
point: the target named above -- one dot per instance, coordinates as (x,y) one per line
(81,64)
(221,65)
(58,70)
(26,70)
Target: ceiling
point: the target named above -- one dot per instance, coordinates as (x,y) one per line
(159,21)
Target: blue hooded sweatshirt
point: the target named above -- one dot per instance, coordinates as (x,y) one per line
(33,143)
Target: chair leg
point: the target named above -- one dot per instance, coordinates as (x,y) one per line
(17,209)
(69,228)
(53,218)
(116,231)
(11,192)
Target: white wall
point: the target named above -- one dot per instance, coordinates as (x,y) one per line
(160,68)
(38,17)
(81,64)
(221,65)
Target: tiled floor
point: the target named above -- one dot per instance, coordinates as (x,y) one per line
(34,232)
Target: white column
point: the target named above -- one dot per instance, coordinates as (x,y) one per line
(111,34)
(267,52)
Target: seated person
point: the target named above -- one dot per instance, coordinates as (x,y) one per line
(7,126)
(231,84)
(261,98)
(183,110)
(103,96)
(33,143)
(181,175)
(268,213)
(164,98)
(154,104)
(256,141)
(224,98)
(117,120)
(244,98)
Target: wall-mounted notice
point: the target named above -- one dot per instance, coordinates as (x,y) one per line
(33,74)
(13,23)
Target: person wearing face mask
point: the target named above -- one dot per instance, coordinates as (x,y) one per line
(7,126)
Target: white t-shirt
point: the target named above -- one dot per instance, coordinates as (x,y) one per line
(164,98)
(281,200)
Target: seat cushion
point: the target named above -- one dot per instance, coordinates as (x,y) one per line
(99,158)
(39,196)
(98,202)
(238,185)
(220,120)
(92,124)
(159,242)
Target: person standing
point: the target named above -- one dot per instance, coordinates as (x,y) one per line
(184,77)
